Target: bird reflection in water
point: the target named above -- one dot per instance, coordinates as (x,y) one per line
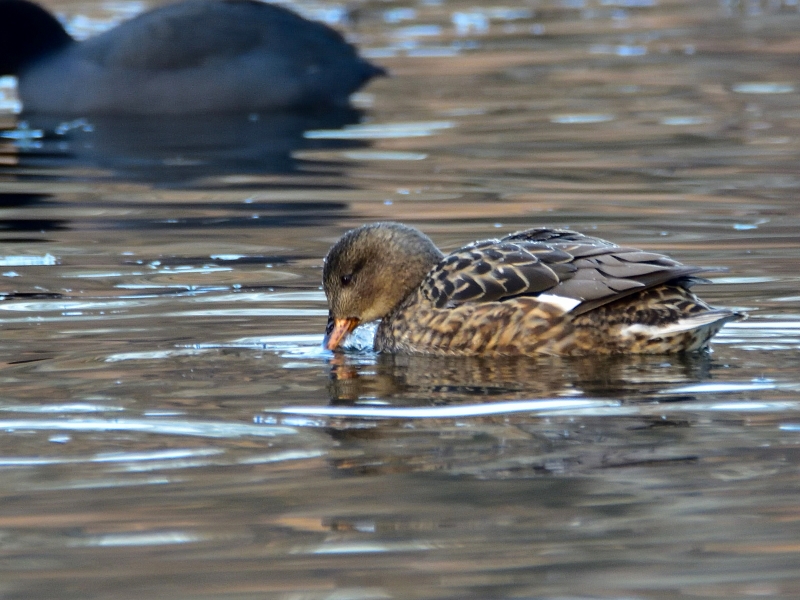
(167,150)
(506,445)
(421,380)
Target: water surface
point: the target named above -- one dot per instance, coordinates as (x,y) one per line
(171,427)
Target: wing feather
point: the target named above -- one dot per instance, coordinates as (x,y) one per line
(556,262)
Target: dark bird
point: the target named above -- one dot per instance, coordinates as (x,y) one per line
(198,56)
(539,291)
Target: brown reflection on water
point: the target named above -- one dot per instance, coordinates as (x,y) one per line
(428,380)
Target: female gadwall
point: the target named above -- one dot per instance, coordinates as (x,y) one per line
(540,291)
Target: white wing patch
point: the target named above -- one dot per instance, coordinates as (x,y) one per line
(680,326)
(562,302)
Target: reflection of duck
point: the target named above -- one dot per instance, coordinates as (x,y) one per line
(507,442)
(417,380)
(199,56)
(540,291)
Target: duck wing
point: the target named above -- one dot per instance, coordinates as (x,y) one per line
(586,272)
(201,32)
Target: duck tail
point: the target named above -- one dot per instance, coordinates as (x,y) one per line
(689,333)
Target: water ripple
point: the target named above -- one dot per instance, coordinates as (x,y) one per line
(111,457)
(445,412)
(152,355)
(542,408)
(252,312)
(717,388)
(159,538)
(761,335)
(74,407)
(377,131)
(763,88)
(367,548)
(577,119)
(166,427)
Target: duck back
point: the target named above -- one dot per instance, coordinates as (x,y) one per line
(549,291)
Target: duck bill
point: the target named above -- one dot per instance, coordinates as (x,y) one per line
(337,330)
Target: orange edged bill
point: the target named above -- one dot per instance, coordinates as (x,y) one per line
(337,330)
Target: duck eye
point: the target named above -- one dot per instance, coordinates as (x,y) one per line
(347,279)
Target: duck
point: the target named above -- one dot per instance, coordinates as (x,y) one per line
(192,57)
(541,291)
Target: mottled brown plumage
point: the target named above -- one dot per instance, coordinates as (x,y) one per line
(540,291)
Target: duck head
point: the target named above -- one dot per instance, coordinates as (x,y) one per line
(370,271)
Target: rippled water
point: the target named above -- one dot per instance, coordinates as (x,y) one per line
(171,427)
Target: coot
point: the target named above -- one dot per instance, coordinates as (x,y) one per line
(197,56)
